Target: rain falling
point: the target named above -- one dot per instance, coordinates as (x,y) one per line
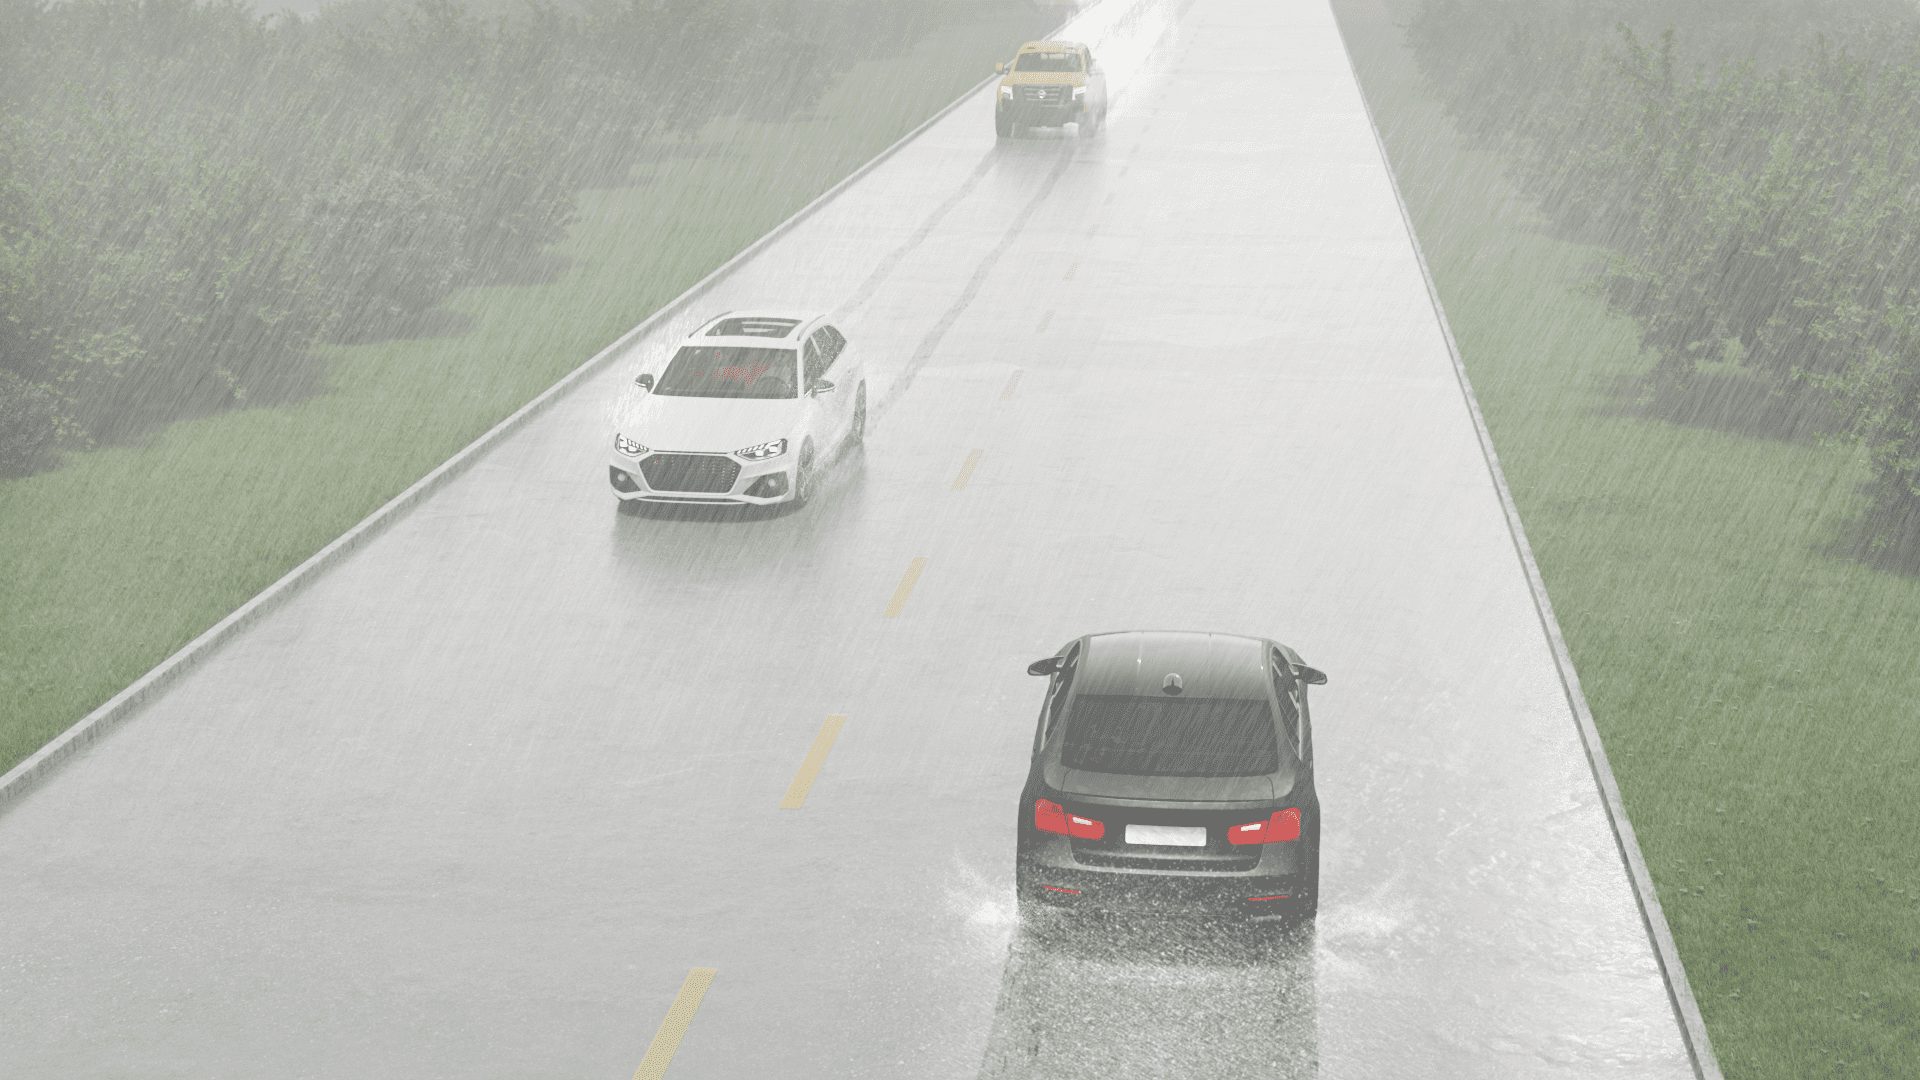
(959,538)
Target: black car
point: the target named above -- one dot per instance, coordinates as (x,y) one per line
(1172,773)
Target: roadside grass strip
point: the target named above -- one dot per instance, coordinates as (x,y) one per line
(1754,686)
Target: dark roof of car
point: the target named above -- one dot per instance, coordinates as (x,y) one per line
(1209,665)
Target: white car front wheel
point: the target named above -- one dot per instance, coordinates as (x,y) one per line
(803,476)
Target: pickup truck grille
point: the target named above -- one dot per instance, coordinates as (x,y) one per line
(710,473)
(1043,95)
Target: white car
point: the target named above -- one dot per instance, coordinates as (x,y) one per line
(745,412)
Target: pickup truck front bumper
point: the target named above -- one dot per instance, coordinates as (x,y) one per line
(1051,107)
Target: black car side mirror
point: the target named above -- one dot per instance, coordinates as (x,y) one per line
(1311,676)
(818,387)
(644,382)
(1049,666)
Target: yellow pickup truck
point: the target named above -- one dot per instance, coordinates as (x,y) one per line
(1051,84)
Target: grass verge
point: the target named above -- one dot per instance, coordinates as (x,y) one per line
(1754,686)
(111,563)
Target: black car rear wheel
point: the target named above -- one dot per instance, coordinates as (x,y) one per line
(1038,918)
(1309,905)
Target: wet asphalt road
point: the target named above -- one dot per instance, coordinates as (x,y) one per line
(474,803)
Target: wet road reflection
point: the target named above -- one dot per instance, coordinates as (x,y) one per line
(1101,998)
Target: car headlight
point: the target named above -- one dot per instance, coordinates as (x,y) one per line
(1079,92)
(763,451)
(1006,92)
(629,447)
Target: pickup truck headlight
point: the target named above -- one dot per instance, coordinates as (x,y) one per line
(763,451)
(629,447)
(1079,92)
(1006,93)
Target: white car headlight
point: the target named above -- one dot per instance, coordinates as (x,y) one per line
(629,447)
(763,451)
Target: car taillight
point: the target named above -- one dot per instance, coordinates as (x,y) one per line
(1282,826)
(1050,816)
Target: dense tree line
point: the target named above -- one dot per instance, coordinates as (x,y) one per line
(191,195)
(1752,168)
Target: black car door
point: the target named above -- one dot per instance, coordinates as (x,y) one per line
(1056,704)
(1293,706)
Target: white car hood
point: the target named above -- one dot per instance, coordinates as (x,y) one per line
(705,424)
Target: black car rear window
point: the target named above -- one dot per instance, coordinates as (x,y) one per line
(1169,736)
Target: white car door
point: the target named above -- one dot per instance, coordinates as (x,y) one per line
(835,407)
(843,368)
(818,406)
(824,406)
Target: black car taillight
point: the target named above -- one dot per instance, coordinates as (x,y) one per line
(1050,816)
(1278,828)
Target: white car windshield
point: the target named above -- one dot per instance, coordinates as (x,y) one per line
(730,371)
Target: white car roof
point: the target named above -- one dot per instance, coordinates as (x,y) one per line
(762,328)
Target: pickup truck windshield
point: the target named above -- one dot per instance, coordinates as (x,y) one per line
(1047,61)
(1120,733)
(729,371)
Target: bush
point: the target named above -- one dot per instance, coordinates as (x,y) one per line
(1757,194)
(192,196)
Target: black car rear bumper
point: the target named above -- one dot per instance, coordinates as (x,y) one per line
(1275,887)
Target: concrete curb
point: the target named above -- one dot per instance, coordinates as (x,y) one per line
(96,723)
(1693,1030)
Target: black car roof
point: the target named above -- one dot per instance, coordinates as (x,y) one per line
(1209,665)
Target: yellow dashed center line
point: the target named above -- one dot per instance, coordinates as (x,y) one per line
(966,470)
(815,761)
(1012,381)
(905,589)
(679,1015)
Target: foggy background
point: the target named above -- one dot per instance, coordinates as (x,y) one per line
(1676,240)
